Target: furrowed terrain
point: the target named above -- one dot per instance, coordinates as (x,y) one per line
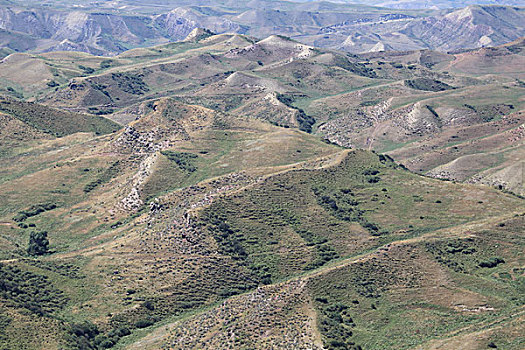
(226,192)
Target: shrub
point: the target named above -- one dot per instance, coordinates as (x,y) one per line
(123,331)
(490,263)
(87,70)
(182,159)
(305,121)
(106,64)
(23,289)
(83,335)
(144,322)
(149,305)
(371,172)
(38,243)
(33,211)
(427,84)
(374,179)
(84,329)
(130,83)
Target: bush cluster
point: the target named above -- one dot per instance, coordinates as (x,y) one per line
(130,83)
(24,289)
(33,211)
(87,336)
(336,325)
(185,161)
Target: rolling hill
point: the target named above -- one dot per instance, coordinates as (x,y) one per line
(455,116)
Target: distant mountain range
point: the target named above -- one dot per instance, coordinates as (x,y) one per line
(111,27)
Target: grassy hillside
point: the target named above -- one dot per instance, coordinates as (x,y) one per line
(53,121)
(221,241)
(433,289)
(355,284)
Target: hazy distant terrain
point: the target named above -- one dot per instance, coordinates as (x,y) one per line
(107,28)
(418,4)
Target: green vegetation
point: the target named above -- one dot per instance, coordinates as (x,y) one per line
(356,68)
(344,206)
(100,111)
(204,226)
(4,322)
(33,211)
(335,324)
(52,84)
(427,84)
(33,292)
(492,111)
(130,83)
(53,121)
(82,335)
(86,70)
(106,64)
(305,121)
(493,262)
(38,243)
(185,161)
(249,225)
(87,336)
(5,51)
(105,176)
(61,268)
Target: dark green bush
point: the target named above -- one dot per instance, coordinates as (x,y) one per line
(130,83)
(305,121)
(183,160)
(144,322)
(38,243)
(427,84)
(33,211)
(87,70)
(106,64)
(149,305)
(490,263)
(23,289)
